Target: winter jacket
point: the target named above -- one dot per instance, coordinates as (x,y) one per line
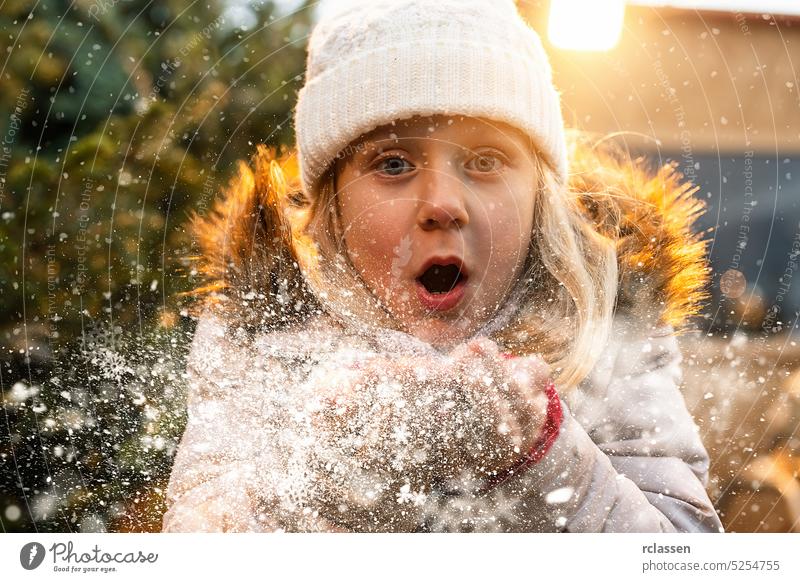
(627,458)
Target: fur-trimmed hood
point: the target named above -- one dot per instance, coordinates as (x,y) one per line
(249,269)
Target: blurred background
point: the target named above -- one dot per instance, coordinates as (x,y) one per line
(120,117)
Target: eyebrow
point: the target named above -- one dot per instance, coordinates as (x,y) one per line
(510,143)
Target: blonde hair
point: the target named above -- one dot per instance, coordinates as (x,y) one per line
(564,298)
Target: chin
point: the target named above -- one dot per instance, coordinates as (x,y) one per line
(440,333)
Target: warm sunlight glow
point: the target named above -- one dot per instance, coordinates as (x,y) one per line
(586,25)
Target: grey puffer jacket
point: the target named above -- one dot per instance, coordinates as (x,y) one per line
(629,451)
(627,458)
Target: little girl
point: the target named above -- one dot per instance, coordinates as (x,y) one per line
(438,315)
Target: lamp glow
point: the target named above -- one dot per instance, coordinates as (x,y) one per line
(587,25)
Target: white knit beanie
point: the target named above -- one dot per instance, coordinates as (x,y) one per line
(382,60)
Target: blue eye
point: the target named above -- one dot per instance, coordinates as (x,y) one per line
(393,166)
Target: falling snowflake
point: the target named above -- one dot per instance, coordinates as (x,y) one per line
(400,434)
(112,364)
(561,495)
(416,498)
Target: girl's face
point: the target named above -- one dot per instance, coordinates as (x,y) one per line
(421,194)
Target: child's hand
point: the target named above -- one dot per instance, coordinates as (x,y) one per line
(385,426)
(510,395)
(399,393)
(390,427)
(473,406)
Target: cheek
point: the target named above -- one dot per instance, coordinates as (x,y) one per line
(374,233)
(508,223)
(508,226)
(520,213)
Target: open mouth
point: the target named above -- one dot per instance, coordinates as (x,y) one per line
(442,283)
(440,279)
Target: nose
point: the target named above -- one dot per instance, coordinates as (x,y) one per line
(443,203)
